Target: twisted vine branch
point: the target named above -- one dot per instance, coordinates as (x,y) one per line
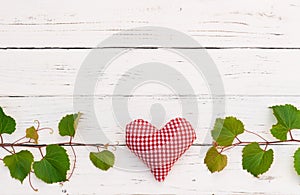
(21,163)
(255,159)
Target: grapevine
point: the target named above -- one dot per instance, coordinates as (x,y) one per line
(55,165)
(255,159)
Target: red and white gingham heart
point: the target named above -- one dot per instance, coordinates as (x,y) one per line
(159,149)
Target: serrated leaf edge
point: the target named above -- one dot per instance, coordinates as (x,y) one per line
(294,156)
(263,150)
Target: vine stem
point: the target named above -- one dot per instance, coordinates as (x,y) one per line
(41,152)
(256,135)
(265,142)
(12,147)
(29,144)
(37,129)
(32,145)
(238,139)
(19,139)
(6,149)
(290,133)
(75,159)
(30,183)
(1,139)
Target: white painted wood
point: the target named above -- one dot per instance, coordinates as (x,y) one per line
(189,175)
(244,72)
(38,83)
(252,110)
(253,23)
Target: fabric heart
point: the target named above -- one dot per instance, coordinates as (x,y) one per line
(159,149)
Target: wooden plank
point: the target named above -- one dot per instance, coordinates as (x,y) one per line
(233,24)
(243,72)
(189,175)
(252,110)
(254,44)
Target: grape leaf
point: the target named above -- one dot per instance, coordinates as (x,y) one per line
(103,160)
(256,160)
(214,160)
(19,164)
(7,123)
(32,134)
(225,130)
(54,166)
(288,118)
(297,161)
(279,132)
(68,124)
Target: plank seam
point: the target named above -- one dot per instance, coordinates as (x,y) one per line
(150,47)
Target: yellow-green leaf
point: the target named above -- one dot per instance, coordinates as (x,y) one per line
(214,160)
(68,124)
(31,133)
(103,160)
(225,130)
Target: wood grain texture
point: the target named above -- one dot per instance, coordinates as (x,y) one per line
(49,110)
(243,72)
(253,23)
(254,44)
(188,176)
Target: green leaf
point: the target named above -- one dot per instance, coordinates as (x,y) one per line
(68,124)
(54,166)
(279,132)
(256,160)
(225,130)
(19,164)
(103,160)
(32,134)
(297,161)
(214,160)
(7,123)
(288,118)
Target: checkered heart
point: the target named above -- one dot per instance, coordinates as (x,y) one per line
(159,149)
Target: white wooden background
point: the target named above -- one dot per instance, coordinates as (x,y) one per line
(254,43)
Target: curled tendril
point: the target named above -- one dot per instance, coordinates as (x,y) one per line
(30,183)
(38,124)
(41,129)
(107,145)
(47,128)
(28,140)
(114,147)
